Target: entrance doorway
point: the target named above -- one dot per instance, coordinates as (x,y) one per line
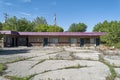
(82,41)
(45,43)
(97,41)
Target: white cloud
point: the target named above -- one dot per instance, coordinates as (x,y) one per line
(25,14)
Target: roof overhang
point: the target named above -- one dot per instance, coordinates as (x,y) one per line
(53,33)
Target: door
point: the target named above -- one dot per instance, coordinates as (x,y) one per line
(22,41)
(97,41)
(27,41)
(16,42)
(45,43)
(12,42)
(82,42)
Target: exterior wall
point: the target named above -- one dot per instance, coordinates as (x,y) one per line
(64,41)
(2,42)
(87,41)
(12,40)
(35,41)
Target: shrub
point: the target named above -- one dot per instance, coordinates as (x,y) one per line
(2,68)
(117,45)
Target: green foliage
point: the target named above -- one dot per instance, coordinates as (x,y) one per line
(41,28)
(112,30)
(40,20)
(2,68)
(19,78)
(24,25)
(113,74)
(39,24)
(10,24)
(47,28)
(52,29)
(80,27)
(15,24)
(1,25)
(117,45)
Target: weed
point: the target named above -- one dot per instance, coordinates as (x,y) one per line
(74,67)
(41,61)
(46,71)
(19,78)
(112,71)
(19,59)
(2,68)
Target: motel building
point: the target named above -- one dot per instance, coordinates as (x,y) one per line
(42,39)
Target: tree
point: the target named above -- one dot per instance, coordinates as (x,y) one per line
(40,20)
(52,29)
(39,24)
(1,26)
(11,24)
(112,29)
(80,27)
(15,24)
(24,25)
(48,28)
(41,28)
(5,16)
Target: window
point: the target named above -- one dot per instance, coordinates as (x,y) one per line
(73,40)
(8,40)
(54,40)
(92,41)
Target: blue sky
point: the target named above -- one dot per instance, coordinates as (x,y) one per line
(89,12)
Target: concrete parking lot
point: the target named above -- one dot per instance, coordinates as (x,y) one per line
(59,63)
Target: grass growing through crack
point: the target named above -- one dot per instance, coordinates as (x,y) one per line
(69,67)
(113,74)
(115,66)
(19,78)
(74,67)
(19,59)
(41,61)
(2,68)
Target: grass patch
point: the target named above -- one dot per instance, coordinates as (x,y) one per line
(2,68)
(46,71)
(69,67)
(118,76)
(113,74)
(74,67)
(115,66)
(56,52)
(41,61)
(19,59)
(19,78)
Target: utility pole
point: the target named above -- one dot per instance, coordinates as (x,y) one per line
(5,16)
(55,23)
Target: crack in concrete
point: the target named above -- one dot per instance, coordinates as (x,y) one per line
(69,67)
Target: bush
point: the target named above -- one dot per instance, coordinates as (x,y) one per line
(2,68)
(117,45)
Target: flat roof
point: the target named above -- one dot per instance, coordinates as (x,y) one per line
(53,33)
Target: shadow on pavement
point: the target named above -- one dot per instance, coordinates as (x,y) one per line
(12,51)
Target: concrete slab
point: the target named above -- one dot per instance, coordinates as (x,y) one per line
(117,70)
(113,60)
(55,61)
(117,78)
(58,64)
(2,78)
(74,74)
(20,68)
(88,56)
